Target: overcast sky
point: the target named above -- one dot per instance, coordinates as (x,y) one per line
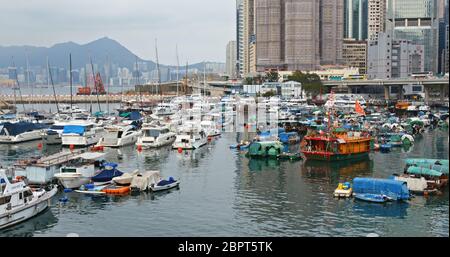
(201,28)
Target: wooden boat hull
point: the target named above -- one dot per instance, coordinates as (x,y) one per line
(333,157)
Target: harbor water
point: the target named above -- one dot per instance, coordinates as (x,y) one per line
(223,193)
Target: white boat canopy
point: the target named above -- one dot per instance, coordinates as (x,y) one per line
(91,155)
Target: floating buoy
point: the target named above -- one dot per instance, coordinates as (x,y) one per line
(209,139)
(139,148)
(71,147)
(180,150)
(40,145)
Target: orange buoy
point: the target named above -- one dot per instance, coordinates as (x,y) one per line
(180,150)
(139,148)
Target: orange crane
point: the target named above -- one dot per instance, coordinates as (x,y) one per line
(99,88)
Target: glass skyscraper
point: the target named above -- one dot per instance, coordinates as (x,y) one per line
(356,19)
(415,20)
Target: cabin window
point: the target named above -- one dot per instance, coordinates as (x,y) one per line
(20,196)
(27,193)
(5,199)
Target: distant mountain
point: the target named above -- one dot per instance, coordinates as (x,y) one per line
(99,50)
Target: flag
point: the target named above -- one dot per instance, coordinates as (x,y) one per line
(359,109)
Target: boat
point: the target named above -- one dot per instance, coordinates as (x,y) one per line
(155,136)
(119,135)
(210,127)
(190,136)
(91,189)
(80,170)
(163,184)
(336,145)
(165,109)
(18,202)
(374,198)
(53,135)
(343,190)
(125,179)
(19,132)
(116,190)
(289,137)
(392,189)
(81,133)
(106,175)
(265,149)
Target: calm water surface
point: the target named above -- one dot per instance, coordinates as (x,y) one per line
(222,193)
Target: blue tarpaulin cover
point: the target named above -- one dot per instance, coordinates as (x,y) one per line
(284,136)
(74,129)
(395,189)
(106,175)
(14,129)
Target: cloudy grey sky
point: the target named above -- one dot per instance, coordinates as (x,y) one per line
(201,28)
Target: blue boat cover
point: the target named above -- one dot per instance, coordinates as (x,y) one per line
(284,136)
(74,129)
(106,175)
(395,189)
(164,182)
(14,129)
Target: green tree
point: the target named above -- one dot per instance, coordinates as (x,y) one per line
(269,94)
(311,82)
(272,76)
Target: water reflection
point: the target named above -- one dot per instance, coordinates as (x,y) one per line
(37,224)
(390,209)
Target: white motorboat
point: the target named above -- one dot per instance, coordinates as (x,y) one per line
(79,170)
(53,135)
(125,179)
(155,136)
(81,133)
(151,180)
(210,127)
(119,135)
(163,109)
(18,202)
(190,136)
(22,131)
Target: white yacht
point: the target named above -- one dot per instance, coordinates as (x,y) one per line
(18,202)
(155,136)
(119,135)
(81,133)
(190,136)
(163,109)
(22,131)
(53,135)
(79,170)
(210,127)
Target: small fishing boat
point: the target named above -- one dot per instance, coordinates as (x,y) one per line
(374,198)
(18,202)
(343,190)
(392,189)
(265,149)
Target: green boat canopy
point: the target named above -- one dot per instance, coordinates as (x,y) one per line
(423,171)
(427,161)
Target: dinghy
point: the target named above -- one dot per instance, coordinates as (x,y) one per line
(165,184)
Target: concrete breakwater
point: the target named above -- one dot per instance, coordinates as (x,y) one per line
(113,98)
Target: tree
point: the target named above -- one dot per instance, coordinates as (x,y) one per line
(268,93)
(272,76)
(311,82)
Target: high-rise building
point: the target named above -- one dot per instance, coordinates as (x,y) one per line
(388,58)
(231,59)
(356,19)
(377,18)
(354,53)
(240,37)
(298,35)
(415,20)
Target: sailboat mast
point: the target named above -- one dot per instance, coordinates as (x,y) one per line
(157,66)
(95,85)
(107,84)
(18,85)
(178,67)
(204,78)
(53,85)
(70,82)
(28,84)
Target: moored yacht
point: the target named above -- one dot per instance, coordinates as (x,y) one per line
(22,131)
(119,135)
(190,136)
(81,133)
(18,202)
(155,136)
